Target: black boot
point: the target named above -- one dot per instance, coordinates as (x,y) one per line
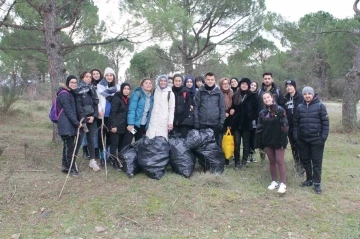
(317,188)
(86,154)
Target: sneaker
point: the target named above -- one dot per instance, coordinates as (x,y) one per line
(64,169)
(306,183)
(94,165)
(282,188)
(74,172)
(273,185)
(317,188)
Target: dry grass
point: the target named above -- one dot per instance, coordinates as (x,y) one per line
(236,204)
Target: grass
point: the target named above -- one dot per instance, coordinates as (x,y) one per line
(236,204)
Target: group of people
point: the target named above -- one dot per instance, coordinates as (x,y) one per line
(109,117)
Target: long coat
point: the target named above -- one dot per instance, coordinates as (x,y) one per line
(162,113)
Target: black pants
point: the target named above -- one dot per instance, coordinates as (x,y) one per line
(182,130)
(252,141)
(311,155)
(118,142)
(68,150)
(89,138)
(245,136)
(216,131)
(294,148)
(140,132)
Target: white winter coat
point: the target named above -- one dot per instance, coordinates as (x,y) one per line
(162,113)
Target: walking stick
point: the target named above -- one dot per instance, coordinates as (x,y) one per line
(73,156)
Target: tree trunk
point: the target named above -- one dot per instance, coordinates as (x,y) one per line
(323,84)
(188,67)
(350,95)
(53,50)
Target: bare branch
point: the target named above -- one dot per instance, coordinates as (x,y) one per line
(40,49)
(355,8)
(74,16)
(9,10)
(68,49)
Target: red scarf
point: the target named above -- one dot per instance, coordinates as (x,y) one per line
(125,99)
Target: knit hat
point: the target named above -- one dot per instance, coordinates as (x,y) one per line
(159,78)
(123,86)
(108,70)
(69,78)
(308,89)
(290,82)
(247,81)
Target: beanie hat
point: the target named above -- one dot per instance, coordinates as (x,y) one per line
(123,86)
(69,78)
(108,70)
(290,82)
(308,89)
(159,78)
(245,80)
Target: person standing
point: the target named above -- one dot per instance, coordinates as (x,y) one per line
(271,134)
(120,136)
(140,106)
(311,129)
(293,99)
(162,114)
(251,159)
(199,81)
(234,84)
(87,106)
(209,110)
(244,109)
(224,85)
(184,115)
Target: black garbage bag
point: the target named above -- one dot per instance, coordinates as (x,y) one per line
(182,160)
(153,156)
(211,157)
(196,138)
(128,158)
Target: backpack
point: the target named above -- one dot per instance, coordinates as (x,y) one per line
(54,114)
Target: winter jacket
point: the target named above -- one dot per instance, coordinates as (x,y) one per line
(275,91)
(86,101)
(105,94)
(162,113)
(311,122)
(68,120)
(291,104)
(272,128)
(209,107)
(245,112)
(183,102)
(118,113)
(136,107)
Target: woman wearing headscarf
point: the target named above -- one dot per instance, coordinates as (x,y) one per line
(190,84)
(234,83)
(162,114)
(224,85)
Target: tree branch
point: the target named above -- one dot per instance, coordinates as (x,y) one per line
(355,8)
(335,31)
(8,12)
(40,49)
(68,49)
(74,16)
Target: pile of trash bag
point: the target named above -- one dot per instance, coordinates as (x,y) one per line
(153,156)
(128,158)
(182,160)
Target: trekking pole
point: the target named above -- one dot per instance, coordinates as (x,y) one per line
(103,144)
(73,156)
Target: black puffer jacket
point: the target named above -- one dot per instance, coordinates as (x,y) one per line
(275,91)
(272,128)
(245,112)
(183,101)
(311,121)
(209,107)
(86,101)
(291,104)
(68,120)
(118,113)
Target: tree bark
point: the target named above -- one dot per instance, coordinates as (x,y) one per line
(54,50)
(350,95)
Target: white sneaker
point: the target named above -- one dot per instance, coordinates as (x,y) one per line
(282,188)
(94,165)
(273,185)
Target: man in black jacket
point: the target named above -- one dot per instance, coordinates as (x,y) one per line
(311,129)
(293,98)
(209,110)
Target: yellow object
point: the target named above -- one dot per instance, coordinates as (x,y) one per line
(228,144)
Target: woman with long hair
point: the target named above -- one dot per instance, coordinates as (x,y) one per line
(271,134)
(224,85)
(251,159)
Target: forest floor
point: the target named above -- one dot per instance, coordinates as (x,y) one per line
(236,204)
